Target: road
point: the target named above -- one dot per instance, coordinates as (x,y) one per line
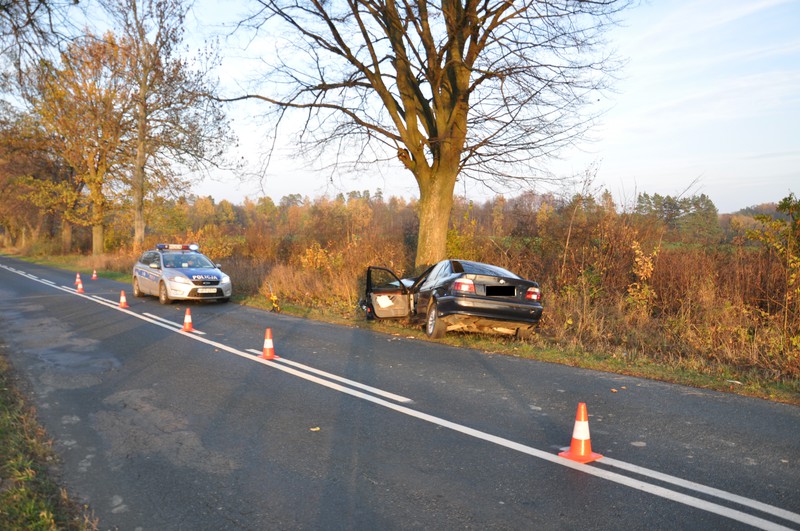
(158,428)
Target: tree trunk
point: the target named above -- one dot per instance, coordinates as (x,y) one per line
(435,205)
(138,180)
(138,209)
(66,236)
(98,240)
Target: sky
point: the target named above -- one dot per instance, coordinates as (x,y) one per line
(708,102)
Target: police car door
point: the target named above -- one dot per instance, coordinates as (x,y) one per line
(149,275)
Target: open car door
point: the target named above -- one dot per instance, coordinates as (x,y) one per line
(386,294)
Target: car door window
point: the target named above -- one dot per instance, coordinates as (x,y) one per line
(441,269)
(384,280)
(146,276)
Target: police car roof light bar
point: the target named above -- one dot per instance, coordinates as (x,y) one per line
(177,246)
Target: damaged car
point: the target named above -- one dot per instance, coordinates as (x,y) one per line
(456,295)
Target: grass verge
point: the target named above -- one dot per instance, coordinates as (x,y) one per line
(683,372)
(29,498)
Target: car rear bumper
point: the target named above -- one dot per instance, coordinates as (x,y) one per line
(490,309)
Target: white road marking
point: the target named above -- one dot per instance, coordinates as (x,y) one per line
(179,326)
(711,491)
(608,475)
(374,390)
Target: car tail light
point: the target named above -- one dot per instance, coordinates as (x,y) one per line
(533,294)
(464,284)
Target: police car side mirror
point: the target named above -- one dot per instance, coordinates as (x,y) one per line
(155,265)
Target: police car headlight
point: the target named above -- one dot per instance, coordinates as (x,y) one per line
(180,280)
(225,279)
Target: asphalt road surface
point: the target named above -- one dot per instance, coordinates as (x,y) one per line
(350,429)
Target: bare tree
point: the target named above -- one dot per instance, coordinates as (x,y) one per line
(174,124)
(460,87)
(29,27)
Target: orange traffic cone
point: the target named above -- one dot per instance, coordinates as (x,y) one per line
(269,350)
(123,302)
(77,278)
(187,322)
(94,274)
(580,449)
(80,287)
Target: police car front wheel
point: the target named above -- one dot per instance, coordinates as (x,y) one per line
(163,296)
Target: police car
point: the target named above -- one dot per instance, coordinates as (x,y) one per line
(179,272)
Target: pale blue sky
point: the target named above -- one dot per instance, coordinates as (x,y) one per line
(711,92)
(710,95)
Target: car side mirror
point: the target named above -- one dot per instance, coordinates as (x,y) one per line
(155,265)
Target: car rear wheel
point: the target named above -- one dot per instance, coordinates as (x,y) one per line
(137,292)
(163,296)
(434,326)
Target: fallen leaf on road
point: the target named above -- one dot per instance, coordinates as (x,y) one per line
(314,429)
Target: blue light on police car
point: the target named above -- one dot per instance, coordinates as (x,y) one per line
(177,246)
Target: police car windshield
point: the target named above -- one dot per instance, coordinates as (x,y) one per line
(187,260)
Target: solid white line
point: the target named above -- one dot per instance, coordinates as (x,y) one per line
(391,396)
(656,490)
(150,315)
(179,326)
(359,385)
(711,491)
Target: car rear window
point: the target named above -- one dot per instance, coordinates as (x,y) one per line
(475,268)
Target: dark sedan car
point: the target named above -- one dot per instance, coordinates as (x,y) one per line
(456,295)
